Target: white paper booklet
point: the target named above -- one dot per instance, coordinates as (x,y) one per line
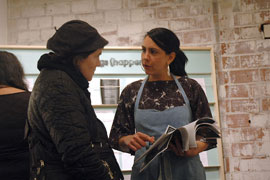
(186,135)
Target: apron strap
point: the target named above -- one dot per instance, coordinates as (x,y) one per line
(139,94)
(183,93)
(181,89)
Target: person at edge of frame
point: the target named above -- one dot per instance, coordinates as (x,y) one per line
(14,98)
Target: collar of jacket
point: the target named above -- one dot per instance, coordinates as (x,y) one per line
(52,61)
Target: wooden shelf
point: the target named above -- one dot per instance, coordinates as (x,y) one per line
(105,106)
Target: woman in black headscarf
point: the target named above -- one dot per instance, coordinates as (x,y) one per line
(67,140)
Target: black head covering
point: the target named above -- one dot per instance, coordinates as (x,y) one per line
(75,37)
(72,38)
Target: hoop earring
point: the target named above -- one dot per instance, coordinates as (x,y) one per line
(169,72)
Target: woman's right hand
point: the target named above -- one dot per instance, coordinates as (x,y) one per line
(135,141)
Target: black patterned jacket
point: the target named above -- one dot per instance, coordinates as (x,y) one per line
(67,140)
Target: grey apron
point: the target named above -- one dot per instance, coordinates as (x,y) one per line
(168,166)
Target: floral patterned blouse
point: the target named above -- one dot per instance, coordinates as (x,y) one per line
(159,95)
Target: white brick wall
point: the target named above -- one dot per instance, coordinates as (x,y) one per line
(40,22)
(32,11)
(153,24)
(28,36)
(109,5)
(83,7)
(45,34)
(61,19)
(92,18)
(107,29)
(127,29)
(58,8)
(3,22)
(117,17)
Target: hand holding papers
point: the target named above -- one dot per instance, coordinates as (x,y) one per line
(186,135)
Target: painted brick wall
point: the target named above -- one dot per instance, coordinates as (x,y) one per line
(122,22)
(3,22)
(230,26)
(244,90)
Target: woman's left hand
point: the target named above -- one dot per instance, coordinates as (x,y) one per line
(201,146)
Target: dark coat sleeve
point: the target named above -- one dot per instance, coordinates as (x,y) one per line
(66,121)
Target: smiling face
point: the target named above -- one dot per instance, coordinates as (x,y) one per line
(88,65)
(155,60)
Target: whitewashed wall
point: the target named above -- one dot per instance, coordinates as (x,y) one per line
(3,22)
